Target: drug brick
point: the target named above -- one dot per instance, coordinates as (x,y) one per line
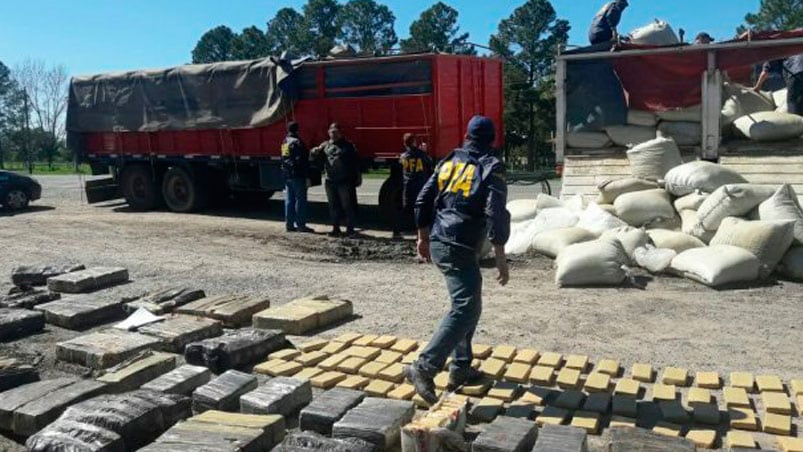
(735,397)
(608,367)
(505,353)
(368,353)
(702,437)
(234,311)
(493,367)
(133,374)
(308,373)
(377,421)
(365,340)
(743,418)
(708,380)
(441,380)
(328,408)
(478,389)
(393,373)
(506,434)
(303,315)
(579,362)
(333,361)
(355,382)
(550,359)
(800,405)
(333,348)
(542,375)
(504,390)
(598,382)
(278,368)
(518,372)
(87,280)
(769,383)
(662,392)
(621,421)
(624,406)
(673,411)
(388,357)
(796,386)
(552,415)
(570,400)
(17,323)
(558,438)
(776,402)
(637,439)
(351,365)
(538,395)
(520,410)
(627,386)
(568,378)
(480,351)
(598,402)
(527,356)
(327,380)
(181,381)
(675,376)
(667,429)
(402,392)
(177,331)
(790,444)
(698,395)
(642,372)
(742,380)
(223,393)
(311,359)
(104,349)
(384,342)
(372,369)
(486,409)
(312,345)
(706,413)
(736,439)
(281,395)
(778,424)
(587,421)
(409,358)
(287,354)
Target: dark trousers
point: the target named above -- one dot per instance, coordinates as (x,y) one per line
(295,203)
(794,100)
(342,200)
(461,269)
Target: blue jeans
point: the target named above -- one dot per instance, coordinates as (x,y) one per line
(461,269)
(295,203)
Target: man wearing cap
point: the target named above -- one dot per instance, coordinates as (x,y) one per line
(788,72)
(603,27)
(342,166)
(416,169)
(461,205)
(703,38)
(295,166)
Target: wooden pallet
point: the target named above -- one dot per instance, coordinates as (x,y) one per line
(769,164)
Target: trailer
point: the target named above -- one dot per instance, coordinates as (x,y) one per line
(662,79)
(183,135)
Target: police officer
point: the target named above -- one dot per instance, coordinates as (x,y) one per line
(295,166)
(790,71)
(460,205)
(417,167)
(603,27)
(342,166)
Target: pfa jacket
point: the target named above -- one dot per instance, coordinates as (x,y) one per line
(295,158)
(417,168)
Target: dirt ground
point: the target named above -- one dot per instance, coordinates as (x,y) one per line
(241,249)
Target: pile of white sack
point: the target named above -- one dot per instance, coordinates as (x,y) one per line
(699,220)
(757,116)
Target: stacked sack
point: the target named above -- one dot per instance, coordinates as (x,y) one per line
(699,220)
(759,116)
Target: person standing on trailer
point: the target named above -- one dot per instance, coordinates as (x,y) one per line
(603,27)
(790,70)
(341,164)
(417,167)
(295,166)
(460,205)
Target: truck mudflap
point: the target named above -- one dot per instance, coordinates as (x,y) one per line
(101,190)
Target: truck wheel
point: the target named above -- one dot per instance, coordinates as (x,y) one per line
(140,190)
(390,203)
(16,199)
(182,192)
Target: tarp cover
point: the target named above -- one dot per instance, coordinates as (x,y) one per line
(240,94)
(673,80)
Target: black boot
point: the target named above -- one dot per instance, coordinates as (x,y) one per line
(424,385)
(463,377)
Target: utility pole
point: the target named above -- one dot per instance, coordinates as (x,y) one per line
(27,132)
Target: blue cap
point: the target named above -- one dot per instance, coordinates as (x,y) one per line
(481,129)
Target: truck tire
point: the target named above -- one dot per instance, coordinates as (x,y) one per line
(182,191)
(140,190)
(16,199)
(390,203)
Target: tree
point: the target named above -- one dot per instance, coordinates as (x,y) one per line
(321,26)
(775,15)
(437,30)
(368,26)
(46,91)
(11,106)
(529,40)
(215,45)
(286,32)
(250,45)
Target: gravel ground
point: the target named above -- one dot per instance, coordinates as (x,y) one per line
(244,250)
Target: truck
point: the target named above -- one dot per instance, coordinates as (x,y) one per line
(182,136)
(675,80)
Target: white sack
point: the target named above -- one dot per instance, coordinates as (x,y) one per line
(597,220)
(612,189)
(684,133)
(767,240)
(733,200)
(670,224)
(658,33)
(588,140)
(644,207)
(654,260)
(653,159)
(522,234)
(780,98)
(642,118)
(691,201)
(792,264)
(551,243)
(631,238)
(545,201)
(576,203)
(689,114)
(700,175)
(743,101)
(784,205)
(630,135)
(521,237)
(770,126)
(597,263)
(610,208)
(522,210)
(717,265)
(675,241)
(691,226)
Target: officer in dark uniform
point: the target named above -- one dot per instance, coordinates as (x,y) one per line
(342,166)
(460,205)
(789,70)
(417,167)
(295,166)
(603,27)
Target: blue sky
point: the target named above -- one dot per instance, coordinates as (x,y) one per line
(90,36)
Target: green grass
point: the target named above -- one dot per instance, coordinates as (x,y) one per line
(43,169)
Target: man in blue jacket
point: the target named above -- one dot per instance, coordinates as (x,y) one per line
(295,166)
(460,205)
(603,27)
(416,170)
